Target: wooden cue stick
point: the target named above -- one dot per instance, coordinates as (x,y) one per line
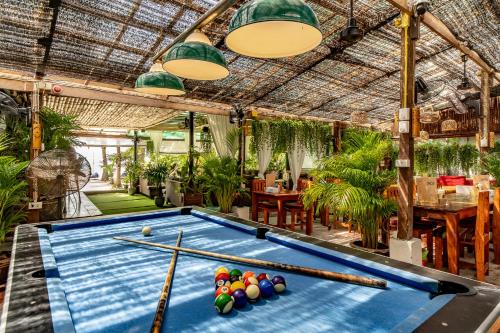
(349,278)
(165,292)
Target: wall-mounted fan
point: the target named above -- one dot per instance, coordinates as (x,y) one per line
(56,174)
(10,107)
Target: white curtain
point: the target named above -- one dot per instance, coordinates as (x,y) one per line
(264,155)
(219,127)
(296,155)
(156,137)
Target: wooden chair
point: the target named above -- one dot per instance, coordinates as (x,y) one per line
(478,236)
(266,206)
(296,208)
(495,225)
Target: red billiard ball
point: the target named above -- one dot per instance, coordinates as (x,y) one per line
(222,276)
(251,280)
(263,276)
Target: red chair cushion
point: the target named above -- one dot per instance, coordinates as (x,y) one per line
(451,180)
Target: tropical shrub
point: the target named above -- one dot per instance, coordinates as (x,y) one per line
(360,184)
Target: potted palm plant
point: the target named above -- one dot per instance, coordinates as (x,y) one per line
(221,177)
(133,171)
(358,193)
(156,172)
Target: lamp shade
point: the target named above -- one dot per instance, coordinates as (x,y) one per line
(273,29)
(195,60)
(159,83)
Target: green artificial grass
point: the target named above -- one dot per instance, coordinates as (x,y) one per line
(117,203)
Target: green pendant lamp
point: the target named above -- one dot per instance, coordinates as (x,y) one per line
(158,82)
(196,59)
(273,29)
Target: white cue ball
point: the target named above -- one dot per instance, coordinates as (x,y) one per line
(146,231)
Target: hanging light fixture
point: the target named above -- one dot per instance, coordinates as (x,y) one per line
(273,29)
(196,59)
(449,125)
(352,33)
(158,82)
(465,84)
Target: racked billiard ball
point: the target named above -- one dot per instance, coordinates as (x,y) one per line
(223,290)
(235,278)
(222,282)
(222,276)
(224,303)
(221,269)
(279,283)
(240,298)
(266,288)
(235,272)
(263,276)
(247,274)
(253,292)
(237,285)
(251,280)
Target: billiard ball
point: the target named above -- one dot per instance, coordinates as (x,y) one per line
(221,269)
(222,282)
(240,298)
(247,274)
(263,276)
(235,272)
(266,288)
(146,230)
(251,280)
(222,276)
(224,303)
(223,290)
(237,285)
(279,283)
(235,278)
(253,292)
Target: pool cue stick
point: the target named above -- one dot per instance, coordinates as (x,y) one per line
(335,276)
(165,292)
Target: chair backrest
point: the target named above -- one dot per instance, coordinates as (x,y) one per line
(392,192)
(270,179)
(483,214)
(258,185)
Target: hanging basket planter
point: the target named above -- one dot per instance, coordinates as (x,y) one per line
(449,125)
(424,135)
(429,117)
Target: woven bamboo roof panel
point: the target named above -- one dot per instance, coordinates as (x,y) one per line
(113,41)
(101,114)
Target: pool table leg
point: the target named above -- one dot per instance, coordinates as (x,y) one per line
(452,222)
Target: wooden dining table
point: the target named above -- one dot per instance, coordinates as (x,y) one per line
(451,209)
(280,198)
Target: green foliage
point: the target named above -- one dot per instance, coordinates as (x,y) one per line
(277,163)
(435,158)
(158,169)
(12,190)
(133,171)
(206,140)
(358,193)
(189,183)
(58,130)
(491,165)
(220,176)
(19,135)
(232,141)
(282,134)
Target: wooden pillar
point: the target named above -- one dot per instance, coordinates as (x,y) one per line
(485,122)
(191,146)
(118,175)
(409,34)
(136,140)
(337,137)
(35,147)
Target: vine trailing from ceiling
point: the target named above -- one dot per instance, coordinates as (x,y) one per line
(283,134)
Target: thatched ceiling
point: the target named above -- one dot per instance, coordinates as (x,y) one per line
(114,40)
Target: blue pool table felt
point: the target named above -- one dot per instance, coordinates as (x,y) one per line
(98,284)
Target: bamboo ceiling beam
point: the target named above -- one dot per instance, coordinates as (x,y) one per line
(438,27)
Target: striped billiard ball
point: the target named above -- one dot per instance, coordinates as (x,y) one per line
(224,303)
(223,290)
(222,282)
(247,274)
(263,276)
(251,280)
(222,276)
(279,283)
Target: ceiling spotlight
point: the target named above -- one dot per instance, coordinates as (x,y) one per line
(352,33)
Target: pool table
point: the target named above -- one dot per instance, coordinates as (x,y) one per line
(72,276)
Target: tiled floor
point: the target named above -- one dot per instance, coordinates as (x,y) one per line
(344,237)
(95,185)
(85,209)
